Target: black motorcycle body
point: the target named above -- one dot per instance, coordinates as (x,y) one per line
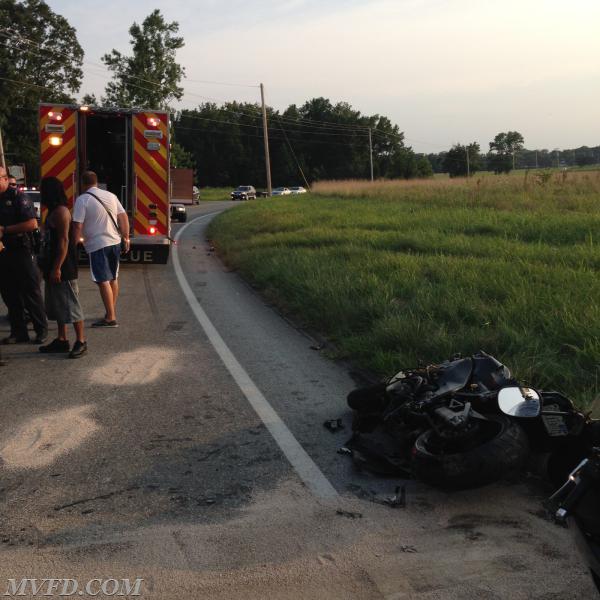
(450,424)
(440,422)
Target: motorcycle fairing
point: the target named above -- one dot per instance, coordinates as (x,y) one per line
(452,376)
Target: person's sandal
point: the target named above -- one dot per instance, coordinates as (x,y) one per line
(104,323)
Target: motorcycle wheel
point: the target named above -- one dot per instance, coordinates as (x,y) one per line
(368,399)
(500,446)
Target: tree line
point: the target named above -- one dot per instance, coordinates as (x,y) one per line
(41,60)
(317,140)
(454,161)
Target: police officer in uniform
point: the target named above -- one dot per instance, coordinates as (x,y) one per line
(19,276)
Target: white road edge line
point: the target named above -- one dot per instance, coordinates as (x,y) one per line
(303,464)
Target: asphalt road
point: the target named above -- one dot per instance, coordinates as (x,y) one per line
(148,459)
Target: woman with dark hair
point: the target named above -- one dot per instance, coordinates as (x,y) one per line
(52,193)
(59,266)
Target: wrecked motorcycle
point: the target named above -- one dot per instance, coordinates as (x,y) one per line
(460,423)
(577,504)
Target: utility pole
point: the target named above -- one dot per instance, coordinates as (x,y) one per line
(468,163)
(371,152)
(536,160)
(266,136)
(2,162)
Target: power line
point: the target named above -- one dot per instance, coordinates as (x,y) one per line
(294,155)
(358,130)
(300,121)
(199,118)
(246,85)
(271,137)
(176,125)
(318,126)
(301,141)
(309,122)
(43,87)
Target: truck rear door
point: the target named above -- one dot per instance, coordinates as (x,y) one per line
(151,170)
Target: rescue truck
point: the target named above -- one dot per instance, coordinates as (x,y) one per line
(129,151)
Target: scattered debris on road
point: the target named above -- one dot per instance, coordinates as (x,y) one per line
(334,425)
(348,514)
(398,500)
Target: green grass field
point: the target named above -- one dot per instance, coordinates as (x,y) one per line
(394,273)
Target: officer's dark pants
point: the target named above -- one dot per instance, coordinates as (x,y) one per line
(20,288)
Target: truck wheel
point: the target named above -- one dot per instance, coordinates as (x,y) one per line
(502,447)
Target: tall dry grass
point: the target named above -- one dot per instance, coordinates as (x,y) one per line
(533,190)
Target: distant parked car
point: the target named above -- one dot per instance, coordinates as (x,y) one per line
(298,190)
(178,213)
(281,191)
(244,192)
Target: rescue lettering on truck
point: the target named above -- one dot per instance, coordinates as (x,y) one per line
(129,151)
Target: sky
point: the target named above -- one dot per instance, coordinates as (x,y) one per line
(444,71)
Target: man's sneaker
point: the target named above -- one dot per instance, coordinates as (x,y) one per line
(15,339)
(55,347)
(40,338)
(79,349)
(104,323)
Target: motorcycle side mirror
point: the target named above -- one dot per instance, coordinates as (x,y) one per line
(519,402)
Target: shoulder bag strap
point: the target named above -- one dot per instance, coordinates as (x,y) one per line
(108,211)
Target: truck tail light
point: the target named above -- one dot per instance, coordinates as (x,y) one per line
(152,122)
(55,140)
(152,230)
(55,116)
